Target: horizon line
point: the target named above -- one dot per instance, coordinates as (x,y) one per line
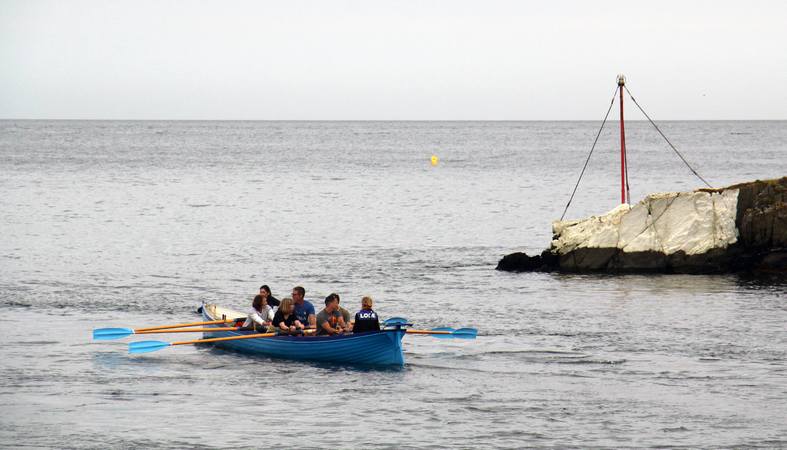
(378,120)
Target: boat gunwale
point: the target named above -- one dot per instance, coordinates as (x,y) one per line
(285,337)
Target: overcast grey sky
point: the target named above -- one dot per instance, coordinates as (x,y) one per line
(368,60)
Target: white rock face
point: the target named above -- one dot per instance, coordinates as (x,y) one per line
(693,222)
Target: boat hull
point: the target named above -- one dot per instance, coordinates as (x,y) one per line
(377,348)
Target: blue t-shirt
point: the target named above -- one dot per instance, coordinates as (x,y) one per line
(303,311)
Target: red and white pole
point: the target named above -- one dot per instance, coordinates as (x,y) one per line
(621,83)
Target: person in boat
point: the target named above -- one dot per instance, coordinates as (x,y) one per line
(345,314)
(285,320)
(265,291)
(366,319)
(304,310)
(330,320)
(260,315)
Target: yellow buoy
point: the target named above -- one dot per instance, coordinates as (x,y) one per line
(435,160)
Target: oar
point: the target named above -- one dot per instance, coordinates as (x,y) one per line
(152,346)
(105,334)
(466,333)
(190,330)
(184,325)
(441,333)
(445,332)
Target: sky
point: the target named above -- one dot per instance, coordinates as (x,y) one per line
(394,60)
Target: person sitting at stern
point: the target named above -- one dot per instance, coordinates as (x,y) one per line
(366,319)
(330,320)
(260,315)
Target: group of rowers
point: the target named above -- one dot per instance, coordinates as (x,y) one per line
(295,315)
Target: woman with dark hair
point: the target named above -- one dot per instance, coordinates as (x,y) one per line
(265,291)
(260,315)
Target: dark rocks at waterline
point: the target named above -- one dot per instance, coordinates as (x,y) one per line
(521,262)
(738,228)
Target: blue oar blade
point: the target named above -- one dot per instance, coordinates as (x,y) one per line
(106,334)
(146,346)
(444,336)
(466,333)
(395,321)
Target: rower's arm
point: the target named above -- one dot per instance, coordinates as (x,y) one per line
(312,321)
(256,317)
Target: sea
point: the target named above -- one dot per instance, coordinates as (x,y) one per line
(137,223)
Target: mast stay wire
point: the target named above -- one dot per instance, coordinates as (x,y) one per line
(591,151)
(665,138)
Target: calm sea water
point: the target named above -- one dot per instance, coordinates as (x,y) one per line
(136,223)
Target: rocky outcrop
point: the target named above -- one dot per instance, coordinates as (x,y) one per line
(762,223)
(737,228)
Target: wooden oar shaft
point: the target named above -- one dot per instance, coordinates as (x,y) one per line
(190,330)
(231,338)
(428,332)
(184,325)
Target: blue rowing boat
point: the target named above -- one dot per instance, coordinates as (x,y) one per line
(377,348)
